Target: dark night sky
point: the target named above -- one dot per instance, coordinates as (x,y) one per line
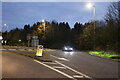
(17,14)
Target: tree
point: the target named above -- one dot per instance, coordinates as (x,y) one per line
(86,38)
(25,32)
(13,37)
(64,29)
(113,21)
(76,32)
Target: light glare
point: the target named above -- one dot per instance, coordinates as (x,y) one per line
(43,20)
(71,53)
(89,5)
(66,52)
(71,48)
(5,24)
(66,48)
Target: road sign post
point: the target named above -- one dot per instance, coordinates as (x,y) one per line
(28,38)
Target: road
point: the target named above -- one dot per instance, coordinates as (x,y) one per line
(18,66)
(90,65)
(65,65)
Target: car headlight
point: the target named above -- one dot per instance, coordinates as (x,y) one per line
(71,48)
(66,48)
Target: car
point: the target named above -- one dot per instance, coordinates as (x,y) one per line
(67,48)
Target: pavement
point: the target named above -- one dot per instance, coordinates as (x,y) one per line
(72,65)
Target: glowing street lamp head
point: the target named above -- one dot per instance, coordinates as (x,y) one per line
(43,20)
(89,5)
(5,24)
(19,40)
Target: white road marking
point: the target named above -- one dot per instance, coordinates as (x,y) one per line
(54,56)
(60,58)
(55,70)
(63,59)
(59,67)
(77,76)
(73,70)
(49,62)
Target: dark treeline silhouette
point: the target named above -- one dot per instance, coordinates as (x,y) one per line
(81,36)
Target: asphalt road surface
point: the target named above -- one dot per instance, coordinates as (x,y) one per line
(72,65)
(93,66)
(18,66)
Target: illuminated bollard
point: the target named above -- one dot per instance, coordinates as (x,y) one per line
(39,50)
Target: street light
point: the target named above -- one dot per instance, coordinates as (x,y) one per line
(19,40)
(5,25)
(43,22)
(90,5)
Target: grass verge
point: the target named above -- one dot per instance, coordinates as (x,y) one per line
(105,55)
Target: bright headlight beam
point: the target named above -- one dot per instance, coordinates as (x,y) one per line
(66,52)
(66,48)
(71,53)
(71,48)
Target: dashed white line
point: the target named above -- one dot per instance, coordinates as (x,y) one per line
(55,70)
(73,70)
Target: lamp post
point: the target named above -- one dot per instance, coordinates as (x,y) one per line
(43,22)
(90,5)
(5,25)
(20,41)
